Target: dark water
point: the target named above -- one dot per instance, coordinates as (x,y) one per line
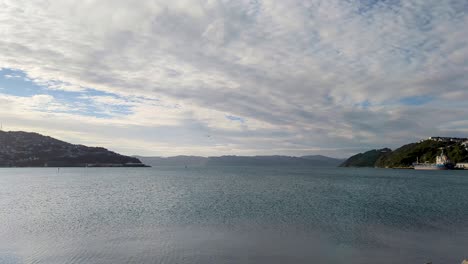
(233,215)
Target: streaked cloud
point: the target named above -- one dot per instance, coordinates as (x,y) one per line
(292,77)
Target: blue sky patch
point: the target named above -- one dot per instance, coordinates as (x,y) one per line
(416,100)
(366,6)
(365,104)
(235,118)
(17,83)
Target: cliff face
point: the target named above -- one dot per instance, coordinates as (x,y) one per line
(23,149)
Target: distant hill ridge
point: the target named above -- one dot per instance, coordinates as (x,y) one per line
(275,160)
(424,151)
(24,149)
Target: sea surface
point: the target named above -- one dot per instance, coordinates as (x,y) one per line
(232,215)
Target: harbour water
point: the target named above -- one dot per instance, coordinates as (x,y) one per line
(232,215)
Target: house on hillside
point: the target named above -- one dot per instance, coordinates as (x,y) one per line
(465,144)
(449,139)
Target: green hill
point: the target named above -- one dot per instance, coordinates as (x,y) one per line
(366,159)
(425,151)
(23,149)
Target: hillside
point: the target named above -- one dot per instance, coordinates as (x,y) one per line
(424,151)
(366,159)
(316,161)
(23,149)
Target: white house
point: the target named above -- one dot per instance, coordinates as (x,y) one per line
(462,166)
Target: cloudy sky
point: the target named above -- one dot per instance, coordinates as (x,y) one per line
(245,77)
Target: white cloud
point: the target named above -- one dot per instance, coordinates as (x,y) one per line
(299,72)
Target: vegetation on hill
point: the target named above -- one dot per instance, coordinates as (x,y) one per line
(366,159)
(424,151)
(23,149)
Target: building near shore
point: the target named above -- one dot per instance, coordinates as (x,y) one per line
(462,166)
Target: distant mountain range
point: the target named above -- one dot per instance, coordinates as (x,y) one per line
(424,151)
(23,149)
(316,161)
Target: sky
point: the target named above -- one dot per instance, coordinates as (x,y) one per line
(240,77)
